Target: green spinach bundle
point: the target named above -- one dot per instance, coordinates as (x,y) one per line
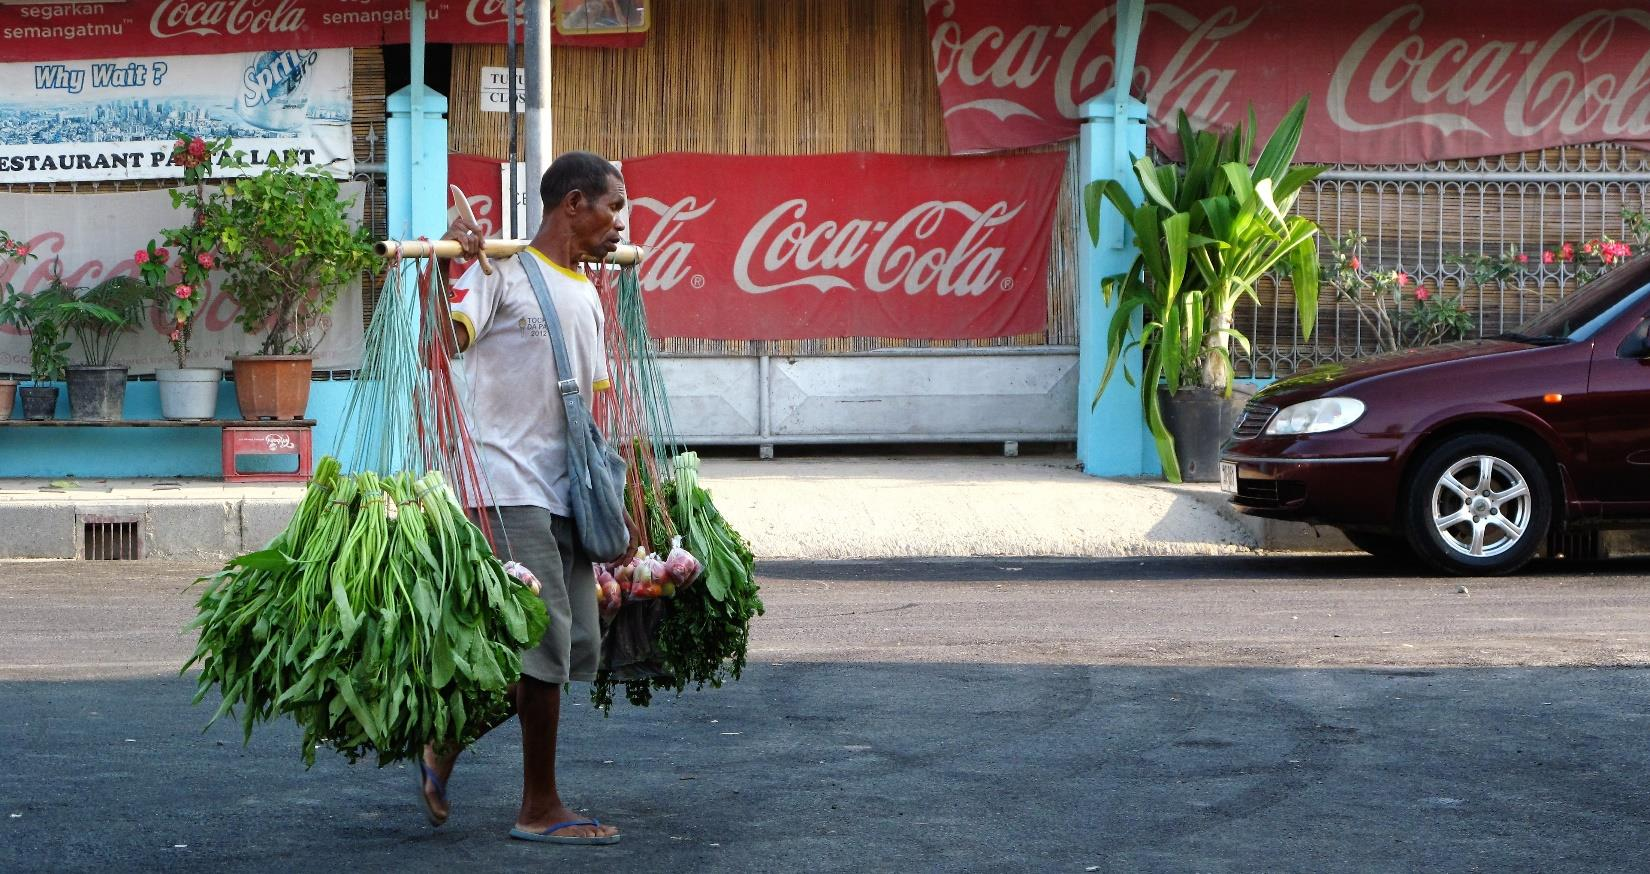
(379,620)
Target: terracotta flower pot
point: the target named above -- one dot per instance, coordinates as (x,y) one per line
(272,386)
(8,397)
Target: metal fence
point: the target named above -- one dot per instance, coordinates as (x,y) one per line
(1417,217)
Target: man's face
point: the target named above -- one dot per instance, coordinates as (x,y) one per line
(597,226)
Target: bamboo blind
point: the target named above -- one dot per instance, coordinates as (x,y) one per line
(759,77)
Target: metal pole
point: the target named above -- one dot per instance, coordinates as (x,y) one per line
(508,222)
(539,25)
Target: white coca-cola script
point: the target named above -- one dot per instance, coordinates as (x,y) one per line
(1075,64)
(1544,83)
(225,17)
(784,250)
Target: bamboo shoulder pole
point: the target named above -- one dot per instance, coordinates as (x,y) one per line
(625,255)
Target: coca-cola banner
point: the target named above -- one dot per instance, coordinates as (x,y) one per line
(90,237)
(65,31)
(854,245)
(117,118)
(1390,82)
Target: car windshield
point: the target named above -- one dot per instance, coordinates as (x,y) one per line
(1590,307)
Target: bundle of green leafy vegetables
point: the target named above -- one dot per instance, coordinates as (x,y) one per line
(379,620)
(705,630)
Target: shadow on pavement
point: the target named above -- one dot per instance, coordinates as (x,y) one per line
(887,767)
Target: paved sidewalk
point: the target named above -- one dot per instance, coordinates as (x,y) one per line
(804,508)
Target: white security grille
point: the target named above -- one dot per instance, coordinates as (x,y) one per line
(1416,216)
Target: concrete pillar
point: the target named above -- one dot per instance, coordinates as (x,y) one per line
(416,151)
(1111,435)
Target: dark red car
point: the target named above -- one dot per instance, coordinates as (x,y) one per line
(1466,455)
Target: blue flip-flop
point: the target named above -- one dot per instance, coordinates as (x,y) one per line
(549,835)
(424,798)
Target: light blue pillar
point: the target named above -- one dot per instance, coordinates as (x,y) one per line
(1111,436)
(416,169)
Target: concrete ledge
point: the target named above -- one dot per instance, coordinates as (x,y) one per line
(190,520)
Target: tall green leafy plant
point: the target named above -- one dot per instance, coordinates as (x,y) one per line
(287,245)
(1205,230)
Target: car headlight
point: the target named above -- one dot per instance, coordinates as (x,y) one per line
(1314,417)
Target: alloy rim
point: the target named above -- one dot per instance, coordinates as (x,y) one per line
(1481,506)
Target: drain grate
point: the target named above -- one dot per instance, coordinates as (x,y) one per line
(110,538)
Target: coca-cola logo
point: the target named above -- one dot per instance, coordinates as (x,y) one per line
(225,17)
(1560,84)
(667,262)
(784,250)
(485,12)
(1075,63)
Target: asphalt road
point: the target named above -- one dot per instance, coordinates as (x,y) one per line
(1209,715)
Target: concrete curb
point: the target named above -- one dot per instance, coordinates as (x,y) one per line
(820,509)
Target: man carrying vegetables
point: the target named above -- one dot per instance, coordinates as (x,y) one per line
(519,431)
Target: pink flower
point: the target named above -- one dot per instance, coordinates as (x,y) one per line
(141,256)
(177,336)
(1402,278)
(163,254)
(1523,258)
(1421,292)
(183,292)
(1566,252)
(1547,257)
(1355,263)
(205,260)
(22,250)
(1588,248)
(197,147)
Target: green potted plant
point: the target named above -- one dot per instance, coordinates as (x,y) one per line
(97,317)
(287,247)
(186,392)
(1207,229)
(13,255)
(40,316)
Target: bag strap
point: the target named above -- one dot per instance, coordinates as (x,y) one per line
(566,383)
(572,402)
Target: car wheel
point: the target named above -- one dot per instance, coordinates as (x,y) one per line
(1478,504)
(1386,547)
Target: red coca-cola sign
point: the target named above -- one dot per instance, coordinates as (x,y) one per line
(1391,82)
(70,31)
(855,245)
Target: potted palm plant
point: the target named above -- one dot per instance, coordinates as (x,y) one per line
(97,318)
(287,246)
(40,316)
(1207,229)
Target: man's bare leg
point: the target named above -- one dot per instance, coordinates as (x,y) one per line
(539,706)
(441,764)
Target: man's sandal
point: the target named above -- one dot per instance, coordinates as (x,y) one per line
(549,835)
(424,797)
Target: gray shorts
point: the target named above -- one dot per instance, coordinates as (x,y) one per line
(544,542)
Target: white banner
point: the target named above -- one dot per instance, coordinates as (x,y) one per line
(90,237)
(117,119)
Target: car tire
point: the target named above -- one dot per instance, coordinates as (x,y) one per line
(1478,504)
(1389,548)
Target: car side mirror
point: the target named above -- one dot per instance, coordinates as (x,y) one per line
(1637,344)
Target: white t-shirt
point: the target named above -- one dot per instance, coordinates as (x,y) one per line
(515,414)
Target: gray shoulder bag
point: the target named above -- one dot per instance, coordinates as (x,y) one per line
(596,472)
